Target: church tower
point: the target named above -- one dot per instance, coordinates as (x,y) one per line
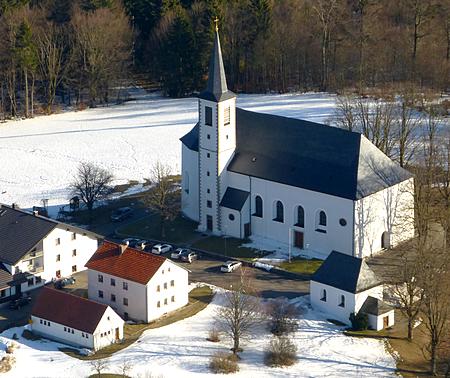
(217,140)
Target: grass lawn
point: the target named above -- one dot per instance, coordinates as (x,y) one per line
(199,298)
(178,230)
(228,247)
(301,266)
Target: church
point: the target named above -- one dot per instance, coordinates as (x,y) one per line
(312,187)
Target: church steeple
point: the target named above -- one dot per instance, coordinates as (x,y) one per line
(216,88)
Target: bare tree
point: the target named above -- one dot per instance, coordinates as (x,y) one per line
(240,311)
(162,197)
(91,183)
(98,366)
(125,367)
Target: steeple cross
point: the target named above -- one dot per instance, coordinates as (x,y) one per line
(216,21)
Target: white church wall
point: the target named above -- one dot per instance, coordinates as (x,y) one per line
(190,183)
(389,211)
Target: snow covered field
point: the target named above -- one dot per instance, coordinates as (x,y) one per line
(39,156)
(180,350)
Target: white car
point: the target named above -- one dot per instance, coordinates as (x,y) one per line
(161,248)
(229,266)
(178,252)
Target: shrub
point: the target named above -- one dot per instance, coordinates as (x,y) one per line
(360,321)
(281,352)
(282,316)
(6,363)
(223,363)
(213,335)
(26,334)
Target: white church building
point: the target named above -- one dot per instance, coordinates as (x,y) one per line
(312,186)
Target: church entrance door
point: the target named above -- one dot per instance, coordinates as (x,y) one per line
(298,239)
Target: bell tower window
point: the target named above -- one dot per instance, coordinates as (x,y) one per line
(208,116)
(226,116)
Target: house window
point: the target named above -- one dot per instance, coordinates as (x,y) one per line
(58,241)
(186,182)
(100,278)
(165,301)
(100,294)
(208,116)
(113,297)
(3,293)
(125,301)
(74,268)
(208,155)
(74,252)
(324,295)
(279,212)
(38,279)
(208,191)
(165,285)
(48,324)
(162,272)
(207,173)
(58,258)
(173,298)
(172,283)
(226,136)
(40,321)
(300,217)
(209,204)
(125,285)
(258,207)
(342,301)
(65,329)
(30,281)
(208,136)
(74,236)
(113,282)
(226,116)
(158,304)
(58,274)
(168,269)
(158,288)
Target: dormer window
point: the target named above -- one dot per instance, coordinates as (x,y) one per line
(208,116)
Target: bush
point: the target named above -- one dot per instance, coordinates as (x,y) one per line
(283,316)
(281,352)
(223,363)
(360,321)
(213,335)
(26,334)
(6,363)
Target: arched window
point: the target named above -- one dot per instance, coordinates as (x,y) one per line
(279,212)
(342,301)
(323,297)
(300,217)
(322,218)
(258,207)
(186,181)
(321,221)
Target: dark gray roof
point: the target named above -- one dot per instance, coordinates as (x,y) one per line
(346,272)
(20,231)
(375,306)
(5,277)
(308,155)
(216,88)
(234,198)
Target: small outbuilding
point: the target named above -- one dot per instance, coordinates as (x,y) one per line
(345,284)
(74,320)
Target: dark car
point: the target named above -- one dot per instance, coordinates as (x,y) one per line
(20,302)
(121,214)
(59,284)
(189,256)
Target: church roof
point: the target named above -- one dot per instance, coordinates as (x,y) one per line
(375,306)
(346,273)
(234,198)
(216,88)
(308,155)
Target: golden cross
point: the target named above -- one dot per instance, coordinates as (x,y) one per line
(216,21)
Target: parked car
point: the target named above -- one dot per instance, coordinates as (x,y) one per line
(229,266)
(132,242)
(189,257)
(161,248)
(59,284)
(121,214)
(142,245)
(179,252)
(20,302)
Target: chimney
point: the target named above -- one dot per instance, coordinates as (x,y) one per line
(123,247)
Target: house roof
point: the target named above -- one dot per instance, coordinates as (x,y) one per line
(68,309)
(346,273)
(307,155)
(21,230)
(234,198)
(216,88)
(375,306)
(5,277)
(131,264)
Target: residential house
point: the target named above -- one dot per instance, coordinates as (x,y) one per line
(345,284)
(36,249)
(136,284)
(74,320)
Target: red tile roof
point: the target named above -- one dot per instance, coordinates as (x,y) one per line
(68,309)
(133,265)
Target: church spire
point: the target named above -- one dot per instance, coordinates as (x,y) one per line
(216,88)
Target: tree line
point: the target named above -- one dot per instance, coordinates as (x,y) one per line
(82,51)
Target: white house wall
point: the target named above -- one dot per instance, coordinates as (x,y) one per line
(189,194)
(107,326)
(390,210)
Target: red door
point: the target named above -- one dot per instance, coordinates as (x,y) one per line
(298,239)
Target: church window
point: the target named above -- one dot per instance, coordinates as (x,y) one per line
(324,295)
(226,116)
(208,116)
(208,191)
(208,136)
(279,212)
(321,221)
(208,155)
(186,182)
(300,217)
(342,222)
(231,217)
(208,204)
(258,207)
(207,173)
(322,218)
(342,302)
